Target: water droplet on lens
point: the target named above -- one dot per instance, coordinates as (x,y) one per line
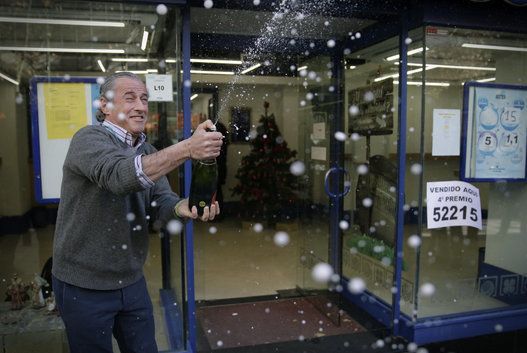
(258,227)
(427,290)
(174,226)
(322,272)
(161,9)
(356,285)
(362,169)
(297,168)
(281,239)
(340,136)
(414,241)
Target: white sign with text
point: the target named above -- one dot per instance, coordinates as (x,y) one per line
(452,203)
(159,88)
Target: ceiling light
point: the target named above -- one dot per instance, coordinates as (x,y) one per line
(255,66)
(101,65)
(135,60)
(418,83)
(140,72)
(493,47)
(382,78)
(211,72)
(7,78)
(302,68)
(170,60)
(216,61)
(460,67)
(55,21)
(408,53)
(193,96)
(65,50)
(490,79)
(145,40)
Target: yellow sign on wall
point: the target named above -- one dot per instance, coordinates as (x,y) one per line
(65,109)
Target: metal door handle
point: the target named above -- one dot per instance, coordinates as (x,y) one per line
(347,186)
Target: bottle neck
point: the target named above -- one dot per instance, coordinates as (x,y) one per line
(207,161)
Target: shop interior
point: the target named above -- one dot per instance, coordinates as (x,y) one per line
(264,78)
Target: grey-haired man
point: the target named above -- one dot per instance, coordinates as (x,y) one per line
(111,179)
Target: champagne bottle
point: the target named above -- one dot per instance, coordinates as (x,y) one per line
(203,184)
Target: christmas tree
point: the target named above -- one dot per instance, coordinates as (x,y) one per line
(266,185)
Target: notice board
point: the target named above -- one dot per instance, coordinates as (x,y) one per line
(60,106)
(494,139)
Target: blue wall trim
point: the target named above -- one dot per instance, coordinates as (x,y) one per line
(463,325)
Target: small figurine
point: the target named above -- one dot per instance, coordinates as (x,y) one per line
(37,299)
(17,293)
(51,306)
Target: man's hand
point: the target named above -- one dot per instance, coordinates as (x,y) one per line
(205,144)
(208,214)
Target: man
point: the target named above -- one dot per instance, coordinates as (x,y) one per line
(112,179)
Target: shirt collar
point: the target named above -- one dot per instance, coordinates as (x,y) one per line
(123,135)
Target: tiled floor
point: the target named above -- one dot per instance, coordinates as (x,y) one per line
(233,261)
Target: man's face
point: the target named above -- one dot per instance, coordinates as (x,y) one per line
(129,108)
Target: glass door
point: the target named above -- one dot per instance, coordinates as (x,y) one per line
(278,74)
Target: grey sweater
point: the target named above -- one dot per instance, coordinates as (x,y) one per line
(101,236)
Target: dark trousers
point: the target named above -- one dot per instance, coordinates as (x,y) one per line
(92,316)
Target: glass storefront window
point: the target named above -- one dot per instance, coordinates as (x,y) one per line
(372,91)
(466,268)
(370,156)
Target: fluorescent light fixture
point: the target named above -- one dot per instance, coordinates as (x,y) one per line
(145,40)
(255,66)
(216,61)
(351,67)
(56,21)
(410,52)
(140,72)
(134,60)
(419,83)
(64,50)
(101,65)
(7,78)
(302,68)
(493,47)
(490,79)
(463,67)
(211,72)
(210,61)
(193,96)
(460,67)
(382,78)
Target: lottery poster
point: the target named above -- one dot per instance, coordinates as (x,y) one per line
(495,134)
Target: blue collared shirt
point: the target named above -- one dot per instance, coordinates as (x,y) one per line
(127,138)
